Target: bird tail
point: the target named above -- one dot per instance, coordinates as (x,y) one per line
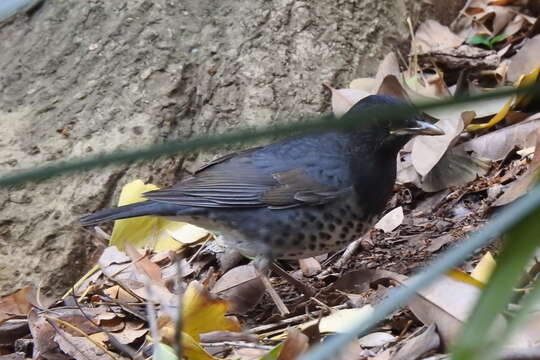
(123,212)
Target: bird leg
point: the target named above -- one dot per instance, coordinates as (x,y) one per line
(261,264)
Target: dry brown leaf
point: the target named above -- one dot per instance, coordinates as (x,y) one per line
(294,346)
(368,85)
(79,347)
(520,187)
(428,150)
(128,336)
(344,99)
(241,287)
(42,335)
(111,255)
(519,23)
(391,220)
(420,343)
(447,304)
(376,339)
(17,304)
(389,66)
(497,144)
(502,16)
(310,266)
(526,60)
(431,36)
(454,169)
(391,86)
(143,264)
(358,281)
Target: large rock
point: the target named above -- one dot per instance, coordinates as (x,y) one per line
(82,77)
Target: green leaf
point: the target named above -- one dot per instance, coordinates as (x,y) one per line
(478,40)
(273,354)
(476,340)
(165,352)
(497,39)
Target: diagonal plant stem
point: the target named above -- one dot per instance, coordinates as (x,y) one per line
(500,223)
(323,123)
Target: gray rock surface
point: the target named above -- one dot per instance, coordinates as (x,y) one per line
(82,77)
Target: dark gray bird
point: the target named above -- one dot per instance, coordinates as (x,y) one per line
(295,198)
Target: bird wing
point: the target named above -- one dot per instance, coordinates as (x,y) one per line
(273,176)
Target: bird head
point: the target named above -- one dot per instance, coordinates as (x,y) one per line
(384,132)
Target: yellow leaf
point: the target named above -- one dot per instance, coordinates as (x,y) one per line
(463,277)
(192,350)
(152,232)
(484,268)
(524,81)
(495,119)
(523,99)
(202,312)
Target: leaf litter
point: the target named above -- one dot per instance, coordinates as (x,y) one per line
(446,188)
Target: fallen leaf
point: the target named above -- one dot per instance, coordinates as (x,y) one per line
(342,320)
(111,255)
(453,169)
(344,99)
(447,303)
(390,86)
(525,60)
(420,343)
(431,36)
(368,85)
(483,270)
(428,150)
(497,144)
(79,347)
(439,242)
(391,220)
(165,352)
(202,312)
(295,344)
(144,265)
(310,266)
(241,287)
(524,183)
(527,334)
(147,231)
(359,281)
(17,304)
(389,66)
(376,339)
(129,336)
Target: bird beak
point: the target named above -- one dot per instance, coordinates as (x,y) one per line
(420,128)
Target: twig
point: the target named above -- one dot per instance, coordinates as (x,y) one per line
(76,329)
(178,324)
(238,344)
(349,252)
(200,249)
(61,333)
(112,339)
(274,295)
(152,316)
(292,320)
(304,288)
